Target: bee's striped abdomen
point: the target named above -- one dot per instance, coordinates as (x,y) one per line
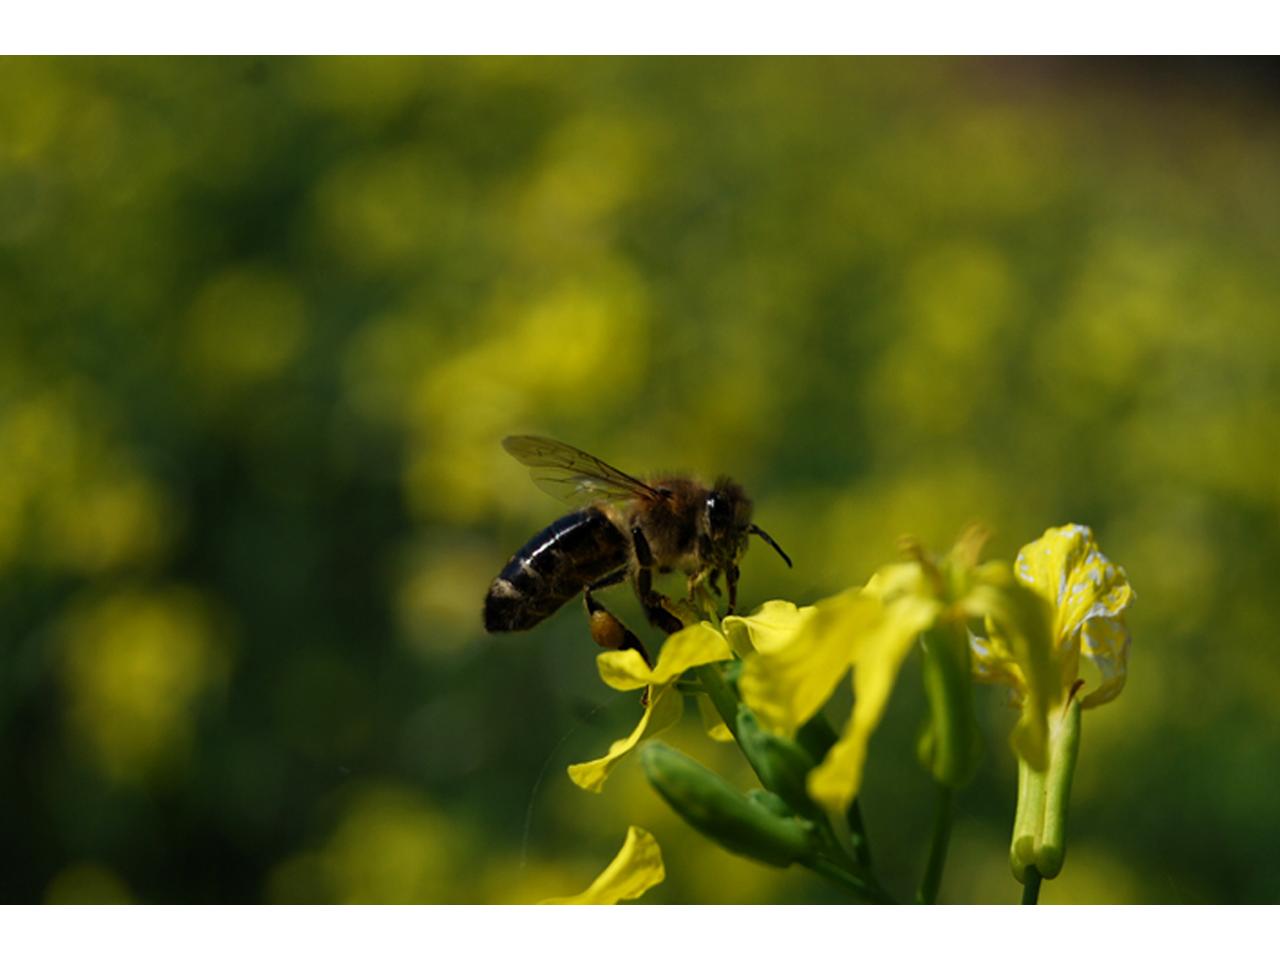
(552,568)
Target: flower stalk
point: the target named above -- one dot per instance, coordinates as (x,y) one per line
(932,879)
(1031,889)
(722,696)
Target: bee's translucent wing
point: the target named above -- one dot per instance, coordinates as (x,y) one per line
(573,475)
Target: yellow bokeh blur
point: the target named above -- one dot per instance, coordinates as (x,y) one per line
(134,663)
(87,883)
(245,325)
(578,344)
(75,498)
(388,847)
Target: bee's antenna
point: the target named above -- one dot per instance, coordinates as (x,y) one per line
(770,541)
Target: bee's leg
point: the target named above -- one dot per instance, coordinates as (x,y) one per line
(653,602)
(606,629)
(731,580)
(711,578)
(608,581)
(713,582)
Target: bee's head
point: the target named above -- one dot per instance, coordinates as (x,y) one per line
(726,523)
(726,517)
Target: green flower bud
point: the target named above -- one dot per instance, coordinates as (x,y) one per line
(1040,824)
(782,765)
(770,801)
(712,806)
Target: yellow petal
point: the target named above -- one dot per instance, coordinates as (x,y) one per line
(1087,592)
(896,580)
(691,647)
(769,628)
(1066,568)
(1019,650)
(787,682)
(877,657)
(1106,644)
(993,661)
(665,707)
(636,869)
(623,669)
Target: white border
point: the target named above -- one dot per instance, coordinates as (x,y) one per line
(631,932)
(653,26)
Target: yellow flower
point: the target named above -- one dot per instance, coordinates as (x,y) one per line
(1085,597)
(636,869)
(1088,596)
(801,654)
(691,647)
(795,657)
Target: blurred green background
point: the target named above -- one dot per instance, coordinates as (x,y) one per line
(263,324)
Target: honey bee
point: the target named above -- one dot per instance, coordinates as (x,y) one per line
(626,528)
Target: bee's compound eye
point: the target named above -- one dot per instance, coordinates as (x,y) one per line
(719,513)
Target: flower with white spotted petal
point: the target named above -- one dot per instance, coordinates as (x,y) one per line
(1088,595)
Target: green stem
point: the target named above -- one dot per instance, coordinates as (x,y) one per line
(721,694)
(726,703)
(938,848)
(858,835)
(1031,889)
(868,890)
